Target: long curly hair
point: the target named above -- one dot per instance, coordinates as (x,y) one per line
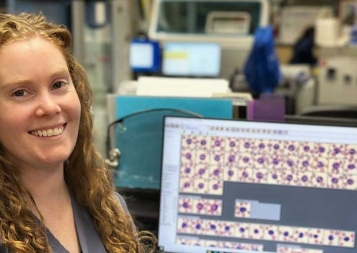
(85,172)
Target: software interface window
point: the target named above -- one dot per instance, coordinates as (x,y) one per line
(252,186)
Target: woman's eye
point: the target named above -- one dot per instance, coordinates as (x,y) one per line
(58,85)
(19,93)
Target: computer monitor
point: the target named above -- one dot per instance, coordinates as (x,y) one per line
(145,56)
(241,186)
(191,59)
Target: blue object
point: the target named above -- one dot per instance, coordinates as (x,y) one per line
(140,142)
(353,40)
(262,70)
(145,56)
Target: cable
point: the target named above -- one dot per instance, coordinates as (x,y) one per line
(115,154)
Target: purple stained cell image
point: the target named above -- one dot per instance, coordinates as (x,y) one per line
(247,145)
(198,226)
(334,180)
(305,163)
(214,207)
(245,174)
(286,233)
(351,166)
(227,228)
(256,231)
(213,227)
(232,144)
(199,206)
(217,158)
(202,171)
(304,178)
(261,145)
(331,237)
(336,166)
(346,239)
(242,209)
(352,151)
(184,224)
(290,163)
(185,205)
(242,230)
(271,232)
(217,143)
(291,148)
(320,164)
(301,235)
(231,158)
(275,161)
(350,181)
(216,172)
(261,160)
(215,186)
(260,175)
(230,173)
(319,179)
(289,177)
(336,151)
(306,148)
(246,159)
(186,185)
(202,157)
(203,142)
(276,146)
(188,156)
(201,185)
(275,176)
(321,149)
(189,141)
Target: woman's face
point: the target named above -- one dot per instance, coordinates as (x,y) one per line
(39,106)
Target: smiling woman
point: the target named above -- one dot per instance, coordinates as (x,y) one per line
(56,193)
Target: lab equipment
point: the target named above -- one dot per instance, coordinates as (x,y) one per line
(337,75)
(229,23)
(138,136)
(255,186)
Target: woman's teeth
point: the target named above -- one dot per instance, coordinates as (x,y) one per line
(48,132)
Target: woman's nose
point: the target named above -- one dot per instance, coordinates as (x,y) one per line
(47,105)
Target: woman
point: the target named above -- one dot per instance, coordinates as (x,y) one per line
(56,194)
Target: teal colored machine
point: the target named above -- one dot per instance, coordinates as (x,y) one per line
(139,130)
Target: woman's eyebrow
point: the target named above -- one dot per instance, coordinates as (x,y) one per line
(62,72)
(23,81)
(15,82)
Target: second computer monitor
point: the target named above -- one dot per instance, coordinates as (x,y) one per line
(191,59)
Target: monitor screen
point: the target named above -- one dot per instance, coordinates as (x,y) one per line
(241,186)
(191,59)
(144,56)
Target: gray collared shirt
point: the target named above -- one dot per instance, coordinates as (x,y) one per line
(88,236)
